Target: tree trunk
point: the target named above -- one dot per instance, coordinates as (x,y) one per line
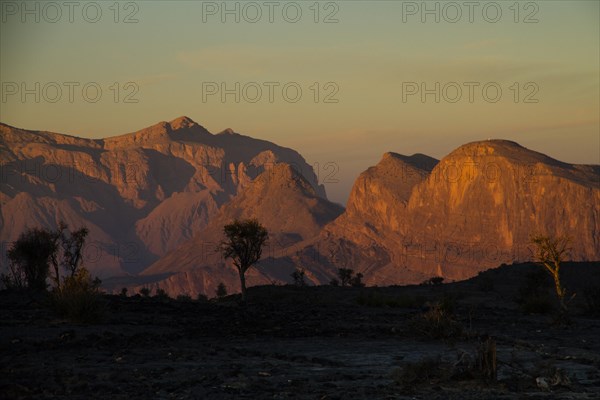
(243,285)
(560,292)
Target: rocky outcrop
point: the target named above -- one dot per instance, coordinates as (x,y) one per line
(474,210)
(482,202)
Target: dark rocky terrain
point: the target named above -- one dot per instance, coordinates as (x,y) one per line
(313,343)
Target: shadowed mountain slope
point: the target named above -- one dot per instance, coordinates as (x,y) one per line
(141,194)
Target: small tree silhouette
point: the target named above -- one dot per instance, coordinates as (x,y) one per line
(356,280)
(244,241)
(550,253)
(347,278)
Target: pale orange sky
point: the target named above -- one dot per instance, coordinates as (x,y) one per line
(365,62)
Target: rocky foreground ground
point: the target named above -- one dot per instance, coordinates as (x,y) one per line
(313,343)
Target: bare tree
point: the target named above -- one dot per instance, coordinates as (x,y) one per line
(244,241)
(550,252)
(72,245)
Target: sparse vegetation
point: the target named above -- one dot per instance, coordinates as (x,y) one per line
(77,295)
(244,241)
(480,365)
(145,292)
(433,356)
(124,292)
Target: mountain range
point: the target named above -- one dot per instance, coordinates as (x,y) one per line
(156,200)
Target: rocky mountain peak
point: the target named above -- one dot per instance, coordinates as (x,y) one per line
(182,123)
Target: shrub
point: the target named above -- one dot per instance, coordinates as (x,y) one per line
(434,281)
(486,359)
(161,294)
(145,292)
(298,277)
(202,297)
(124,292)
(184,297)
(221,290)
(356,281)
(79,298)
(438,322)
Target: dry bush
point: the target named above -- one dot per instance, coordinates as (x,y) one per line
(438,322)
(486,359)
(79,298)
(161,294)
